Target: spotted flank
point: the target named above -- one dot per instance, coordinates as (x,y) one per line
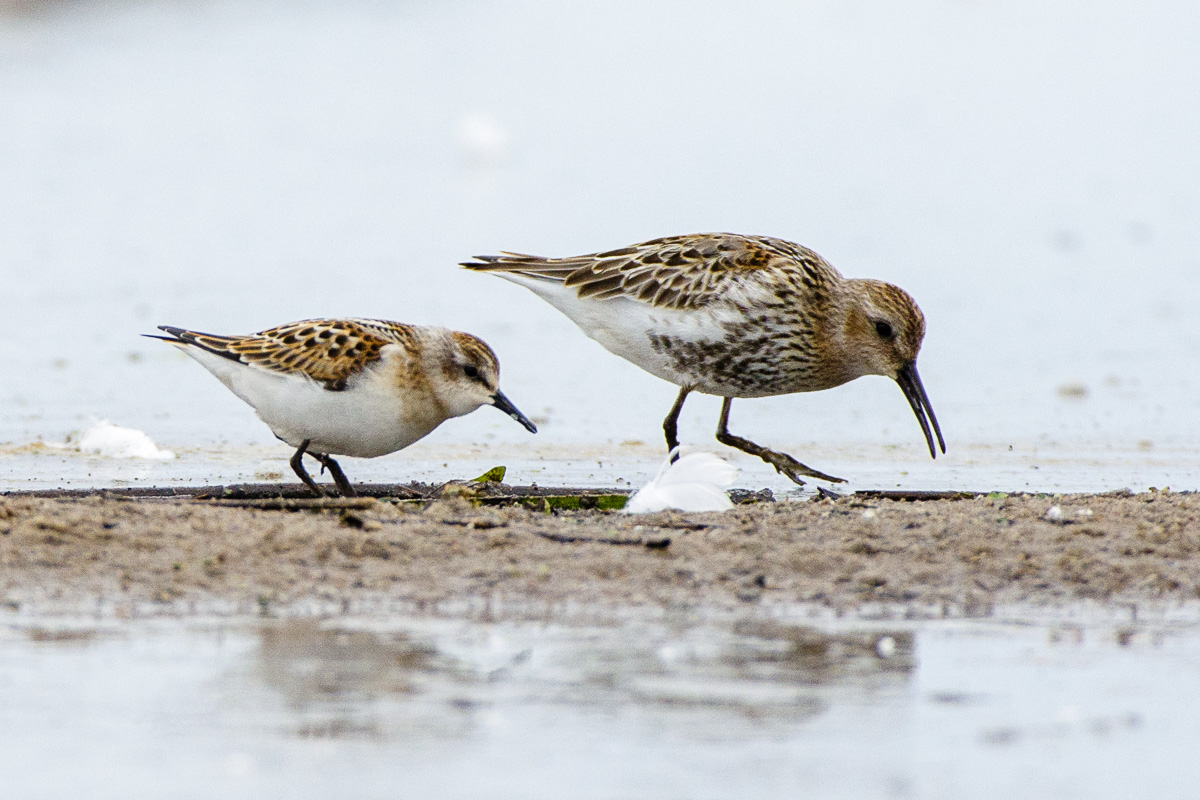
(735,316)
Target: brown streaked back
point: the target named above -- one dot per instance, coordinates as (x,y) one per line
(329,351)
(681,272)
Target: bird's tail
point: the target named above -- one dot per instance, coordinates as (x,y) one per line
(205,341)
(547,269)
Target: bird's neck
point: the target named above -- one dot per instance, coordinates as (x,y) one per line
(841,361)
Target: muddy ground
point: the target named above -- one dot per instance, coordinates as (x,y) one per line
(965,555)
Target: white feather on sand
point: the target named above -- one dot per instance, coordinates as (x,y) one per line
(695,482)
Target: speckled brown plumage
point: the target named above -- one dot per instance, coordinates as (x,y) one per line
(357,387)
(329,351)
(734,316)
(677,271)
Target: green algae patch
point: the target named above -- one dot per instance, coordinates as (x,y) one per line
(493,475)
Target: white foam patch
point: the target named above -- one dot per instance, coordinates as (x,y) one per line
(112,441)
(695,482)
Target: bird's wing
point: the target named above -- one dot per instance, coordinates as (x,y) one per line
(329,351)
(674,272)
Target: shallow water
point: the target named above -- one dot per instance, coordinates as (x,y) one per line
(546,706)
(232,165)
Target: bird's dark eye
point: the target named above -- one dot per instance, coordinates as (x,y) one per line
(883,329)
(471,371)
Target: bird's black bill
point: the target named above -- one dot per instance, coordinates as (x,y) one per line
(501,402)
(910,382)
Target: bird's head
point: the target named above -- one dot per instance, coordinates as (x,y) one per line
(883,332)
(883,328)
(470,378)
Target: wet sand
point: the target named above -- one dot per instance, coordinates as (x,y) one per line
(960,556)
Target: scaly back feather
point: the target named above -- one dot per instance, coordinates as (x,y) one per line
(680,272)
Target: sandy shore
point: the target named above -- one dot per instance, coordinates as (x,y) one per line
(964,554)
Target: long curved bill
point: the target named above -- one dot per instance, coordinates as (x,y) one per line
(504,404)
(910,382)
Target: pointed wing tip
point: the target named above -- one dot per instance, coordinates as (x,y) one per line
(500,262)
(174,338)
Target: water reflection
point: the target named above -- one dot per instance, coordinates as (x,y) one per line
(62,635)
(310,663)
(342,683)
(399,683)
(645,707)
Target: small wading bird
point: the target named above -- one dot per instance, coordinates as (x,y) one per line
(735,316)
(354,387)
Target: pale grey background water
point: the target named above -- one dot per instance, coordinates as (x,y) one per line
(1027,171)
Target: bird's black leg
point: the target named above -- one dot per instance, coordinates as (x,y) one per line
(670,424)
(339,477)
(782,462)
(298,467)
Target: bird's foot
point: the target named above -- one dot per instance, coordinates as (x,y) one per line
(782,462)
(793,469)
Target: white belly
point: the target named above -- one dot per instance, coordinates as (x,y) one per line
(625,327)
(367,419)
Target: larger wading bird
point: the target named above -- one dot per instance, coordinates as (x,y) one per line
(735,316)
